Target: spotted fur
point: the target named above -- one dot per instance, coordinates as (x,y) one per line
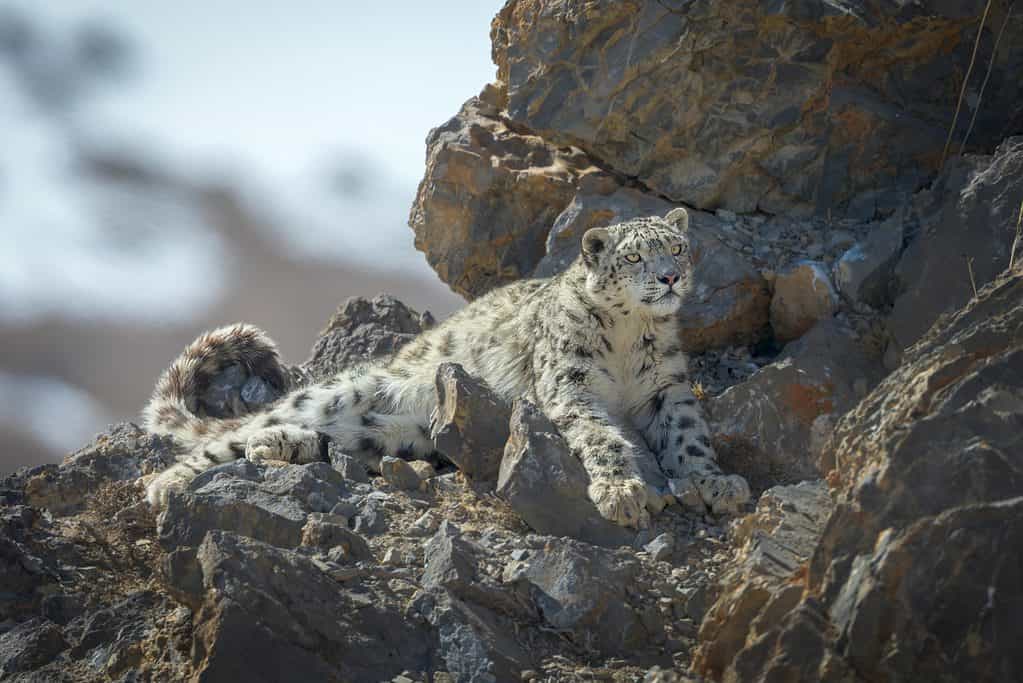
(597,347)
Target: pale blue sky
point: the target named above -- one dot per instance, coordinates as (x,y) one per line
(269,96)
(276,85)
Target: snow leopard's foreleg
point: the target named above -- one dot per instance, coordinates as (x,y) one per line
(680,439)
(616,484)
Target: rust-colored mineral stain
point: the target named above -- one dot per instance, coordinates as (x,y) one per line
(808,401)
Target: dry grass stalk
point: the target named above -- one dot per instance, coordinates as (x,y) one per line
(983,86)
(1016,240)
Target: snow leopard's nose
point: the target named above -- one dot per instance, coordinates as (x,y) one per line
(668,277)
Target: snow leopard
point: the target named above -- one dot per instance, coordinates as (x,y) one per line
(596,347)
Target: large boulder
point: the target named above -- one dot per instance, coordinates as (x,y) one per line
(268,504)
(582,589)
(124,453)
(917,573)
(271,615)
(779,106)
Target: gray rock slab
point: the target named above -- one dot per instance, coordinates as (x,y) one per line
(582,588)
(275,615)
(470,423)
(546,485)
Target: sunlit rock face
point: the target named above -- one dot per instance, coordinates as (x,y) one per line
(771,106)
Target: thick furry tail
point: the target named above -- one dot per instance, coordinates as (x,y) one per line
(179,404)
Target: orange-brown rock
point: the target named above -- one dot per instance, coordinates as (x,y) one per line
(489,198)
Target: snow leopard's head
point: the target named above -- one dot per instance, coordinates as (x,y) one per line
(642,264)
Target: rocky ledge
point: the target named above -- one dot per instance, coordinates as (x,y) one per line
(494,566)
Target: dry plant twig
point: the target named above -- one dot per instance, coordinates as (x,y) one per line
(969,267)
(962,90)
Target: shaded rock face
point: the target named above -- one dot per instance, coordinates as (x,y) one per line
(773,543)
(581,589)
(259,620)
(774,413)
(917,573)
(864,273)
(965,224)
(783,107)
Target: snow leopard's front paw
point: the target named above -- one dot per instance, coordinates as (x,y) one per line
(723,493)
(286,443)
(622,501)
(171,480)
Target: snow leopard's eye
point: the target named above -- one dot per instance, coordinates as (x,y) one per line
(676,250)
(633,258)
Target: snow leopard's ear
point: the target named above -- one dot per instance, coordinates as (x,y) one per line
(595,242)
(678,219)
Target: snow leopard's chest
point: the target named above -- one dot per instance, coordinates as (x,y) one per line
(642,360)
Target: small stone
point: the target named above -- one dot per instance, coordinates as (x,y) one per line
(392,557)
(399,474)
(331,531)
(661,547)
(686,493)
(864,272)
(344,509)
(803,295)
(423,469)
(425,525)
(696,602)
(450,561)
(373,516)
(350,468)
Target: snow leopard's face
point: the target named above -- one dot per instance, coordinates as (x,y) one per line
(642,264)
